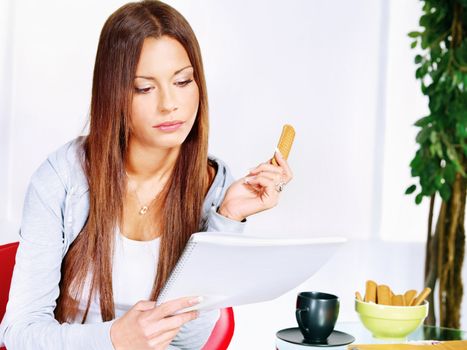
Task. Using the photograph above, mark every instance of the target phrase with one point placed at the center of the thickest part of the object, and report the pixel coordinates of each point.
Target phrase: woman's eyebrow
(152, 78)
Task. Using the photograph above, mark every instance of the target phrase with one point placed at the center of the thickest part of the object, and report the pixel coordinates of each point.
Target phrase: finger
(252, 188)
(159, 327)
(265, 176)
(284, 165)
(144, 305)
(266, 167)
(171, 307)
(174, 322)
(163, 339)
(274, 177)
(267, 193)
(256, 188)
(264, 181)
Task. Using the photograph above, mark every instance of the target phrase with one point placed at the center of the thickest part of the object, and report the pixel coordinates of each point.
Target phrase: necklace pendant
(143, 210)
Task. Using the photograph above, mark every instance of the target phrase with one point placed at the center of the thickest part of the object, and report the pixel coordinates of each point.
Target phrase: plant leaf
(450, 173)
(445, 192)
(410, 189)
(418, 198)
(424, 121)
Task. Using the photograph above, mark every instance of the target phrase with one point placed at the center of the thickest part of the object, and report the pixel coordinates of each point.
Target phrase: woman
(107, 215)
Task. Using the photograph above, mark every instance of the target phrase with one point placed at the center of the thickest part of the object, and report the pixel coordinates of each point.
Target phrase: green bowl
(391, 322)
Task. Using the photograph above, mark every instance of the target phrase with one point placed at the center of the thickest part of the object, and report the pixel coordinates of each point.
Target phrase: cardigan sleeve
(214, 220)
(29, 322)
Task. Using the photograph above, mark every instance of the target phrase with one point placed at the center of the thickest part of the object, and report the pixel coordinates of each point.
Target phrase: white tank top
(133, 274)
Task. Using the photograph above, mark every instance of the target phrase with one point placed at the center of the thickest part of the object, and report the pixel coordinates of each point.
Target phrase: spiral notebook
(231, 269)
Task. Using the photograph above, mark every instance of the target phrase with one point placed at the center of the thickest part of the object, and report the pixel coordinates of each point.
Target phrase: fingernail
(251, 171)
(196, 300)
(278, 152)
(246, 179)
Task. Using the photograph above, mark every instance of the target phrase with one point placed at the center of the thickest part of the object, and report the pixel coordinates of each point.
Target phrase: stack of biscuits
(383, 295)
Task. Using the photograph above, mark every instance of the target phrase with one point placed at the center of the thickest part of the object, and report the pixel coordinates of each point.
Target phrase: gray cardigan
(55, 210)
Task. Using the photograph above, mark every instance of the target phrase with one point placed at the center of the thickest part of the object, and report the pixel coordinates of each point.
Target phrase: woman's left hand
(258, 191)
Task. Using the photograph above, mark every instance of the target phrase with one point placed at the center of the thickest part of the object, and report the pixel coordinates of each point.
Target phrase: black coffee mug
(316, 315)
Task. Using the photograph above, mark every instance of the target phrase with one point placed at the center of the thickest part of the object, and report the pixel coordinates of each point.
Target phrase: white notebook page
(229, 269)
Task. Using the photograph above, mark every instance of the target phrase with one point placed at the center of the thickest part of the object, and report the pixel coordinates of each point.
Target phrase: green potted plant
(440, 161)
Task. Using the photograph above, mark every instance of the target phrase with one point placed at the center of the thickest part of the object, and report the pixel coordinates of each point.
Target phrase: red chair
(7, 262)
(223, 331)
(220, 337)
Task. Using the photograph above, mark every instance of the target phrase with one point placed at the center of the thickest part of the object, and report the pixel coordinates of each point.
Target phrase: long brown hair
(118, 52)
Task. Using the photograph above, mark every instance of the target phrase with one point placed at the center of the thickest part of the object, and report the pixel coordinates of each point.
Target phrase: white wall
(401, 218)
(264, 68)
(269, 64)
(340, 72)
(54, 45)
(6, 48)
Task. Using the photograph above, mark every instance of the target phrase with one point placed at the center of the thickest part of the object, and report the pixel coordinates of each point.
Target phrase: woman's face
(166, 96)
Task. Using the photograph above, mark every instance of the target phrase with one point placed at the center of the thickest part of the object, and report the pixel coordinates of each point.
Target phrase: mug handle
(298, 313)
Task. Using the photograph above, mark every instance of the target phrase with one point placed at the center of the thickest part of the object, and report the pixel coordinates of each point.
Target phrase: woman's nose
(167, 101)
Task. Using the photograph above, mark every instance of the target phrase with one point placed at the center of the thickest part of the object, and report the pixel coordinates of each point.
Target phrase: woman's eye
(146, 90)
(143, 90)
(184, 83)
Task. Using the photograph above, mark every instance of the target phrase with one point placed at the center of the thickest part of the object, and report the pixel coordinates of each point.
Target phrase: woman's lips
(169, 126)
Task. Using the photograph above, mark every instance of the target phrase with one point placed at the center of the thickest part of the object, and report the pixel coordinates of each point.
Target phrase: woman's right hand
(147, 327)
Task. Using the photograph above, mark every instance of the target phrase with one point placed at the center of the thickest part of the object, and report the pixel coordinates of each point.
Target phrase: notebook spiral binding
(177, 269)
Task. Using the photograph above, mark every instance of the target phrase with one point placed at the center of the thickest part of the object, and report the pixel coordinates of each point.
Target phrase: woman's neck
(145, 164)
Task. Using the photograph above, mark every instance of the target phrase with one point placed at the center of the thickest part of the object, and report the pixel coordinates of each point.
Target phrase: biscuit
(285, 142)
(419, 299)
(409, 296)
(383, 295)
(370, 291)
(398, 300)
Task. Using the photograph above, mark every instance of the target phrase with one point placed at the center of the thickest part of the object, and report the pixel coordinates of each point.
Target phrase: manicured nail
(247, 179)
(278, 152)
(196, 300)
(252, 172)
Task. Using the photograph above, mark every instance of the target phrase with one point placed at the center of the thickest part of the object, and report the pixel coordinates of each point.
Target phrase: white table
(363, 336)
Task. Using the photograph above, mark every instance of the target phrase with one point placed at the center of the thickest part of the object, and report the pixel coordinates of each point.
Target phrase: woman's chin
(167, 143)
(164, 141)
